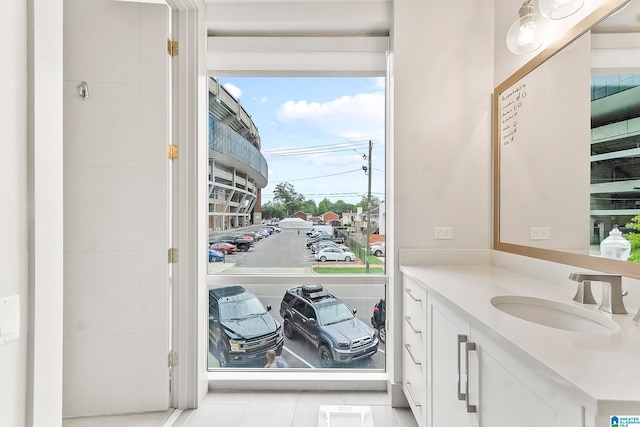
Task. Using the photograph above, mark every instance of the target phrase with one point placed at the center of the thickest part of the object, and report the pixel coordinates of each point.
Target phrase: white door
(116, 208)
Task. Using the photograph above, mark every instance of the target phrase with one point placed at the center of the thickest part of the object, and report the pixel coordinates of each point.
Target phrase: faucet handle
(583, 294)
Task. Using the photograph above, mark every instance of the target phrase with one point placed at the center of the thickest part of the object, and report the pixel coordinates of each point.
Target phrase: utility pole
(366, 257)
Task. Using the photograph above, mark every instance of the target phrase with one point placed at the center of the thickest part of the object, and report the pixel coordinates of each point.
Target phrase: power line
(316, 177)
(317, 149)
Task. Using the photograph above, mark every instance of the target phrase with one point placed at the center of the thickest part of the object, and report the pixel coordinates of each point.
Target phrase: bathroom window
(296, 222)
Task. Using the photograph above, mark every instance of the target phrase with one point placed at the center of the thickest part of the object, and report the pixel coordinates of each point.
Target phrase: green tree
(325, 206)
(309, 206)
(286, 195)
(634, 238)
(363, 203)
(272, 210)
(341, 207)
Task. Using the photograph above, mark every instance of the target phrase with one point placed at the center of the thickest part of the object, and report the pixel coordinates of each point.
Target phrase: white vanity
(465, 362)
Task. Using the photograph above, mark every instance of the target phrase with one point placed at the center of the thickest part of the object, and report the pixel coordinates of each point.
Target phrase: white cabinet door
(447, 369)
(475, 381)
(512, 393)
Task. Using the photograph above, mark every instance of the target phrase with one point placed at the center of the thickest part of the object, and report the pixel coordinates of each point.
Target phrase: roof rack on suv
(314, 292)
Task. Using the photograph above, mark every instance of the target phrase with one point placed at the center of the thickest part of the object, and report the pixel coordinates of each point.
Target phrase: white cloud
(234, 90)
(351, 118)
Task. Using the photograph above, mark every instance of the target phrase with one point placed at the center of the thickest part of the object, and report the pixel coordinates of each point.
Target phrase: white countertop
(605, 367)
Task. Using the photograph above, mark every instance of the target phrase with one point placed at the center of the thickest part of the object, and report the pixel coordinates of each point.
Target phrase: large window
(297, 194)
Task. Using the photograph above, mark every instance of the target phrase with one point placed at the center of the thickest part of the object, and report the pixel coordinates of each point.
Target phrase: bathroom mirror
(546, 201)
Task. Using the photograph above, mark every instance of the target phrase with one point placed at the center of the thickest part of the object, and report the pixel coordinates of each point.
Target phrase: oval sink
(554, 314)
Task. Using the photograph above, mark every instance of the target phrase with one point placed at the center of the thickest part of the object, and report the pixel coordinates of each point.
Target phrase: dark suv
(327, 323)
(240, 329)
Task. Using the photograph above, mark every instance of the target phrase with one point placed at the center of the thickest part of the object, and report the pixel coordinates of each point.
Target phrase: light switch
(9, 319)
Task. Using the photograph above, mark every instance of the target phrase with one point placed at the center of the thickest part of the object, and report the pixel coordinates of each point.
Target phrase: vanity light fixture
(528, 33)
(558, 9)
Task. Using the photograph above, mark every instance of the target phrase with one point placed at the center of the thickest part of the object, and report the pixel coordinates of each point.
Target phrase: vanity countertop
(605, 367)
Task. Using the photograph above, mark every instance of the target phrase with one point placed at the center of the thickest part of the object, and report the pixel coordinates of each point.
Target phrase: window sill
(319, 380)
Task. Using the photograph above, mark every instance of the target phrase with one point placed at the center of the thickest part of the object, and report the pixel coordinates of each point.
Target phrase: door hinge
(173, 152)
(172, 47)
(172, 255)
(172, 359)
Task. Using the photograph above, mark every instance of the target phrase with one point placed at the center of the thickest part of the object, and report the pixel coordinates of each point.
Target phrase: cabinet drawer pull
(416, 299)
(408, 347)
(461, 339)
(408, 320)
(470, 346)
(413, 399)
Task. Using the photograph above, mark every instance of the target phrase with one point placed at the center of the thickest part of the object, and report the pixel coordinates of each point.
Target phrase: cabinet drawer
(414, 301)
(415, 334)
(414, 384)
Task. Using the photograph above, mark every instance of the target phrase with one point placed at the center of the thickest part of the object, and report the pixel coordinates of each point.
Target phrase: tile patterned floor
(258, 409)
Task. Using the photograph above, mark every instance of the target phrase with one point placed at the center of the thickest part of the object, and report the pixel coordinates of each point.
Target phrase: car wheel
(223, 356)
(323, 258)
(325, 356)
(347, 259)
(378, 253)
(289, 332)
(382, 334)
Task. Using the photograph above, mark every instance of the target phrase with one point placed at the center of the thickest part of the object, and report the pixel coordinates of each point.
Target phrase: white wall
(116, 290)
(13, 208)
(442, 119)
(441, 154)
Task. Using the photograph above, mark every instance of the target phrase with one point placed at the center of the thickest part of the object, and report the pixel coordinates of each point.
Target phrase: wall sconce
(558, 9)
(527, 33)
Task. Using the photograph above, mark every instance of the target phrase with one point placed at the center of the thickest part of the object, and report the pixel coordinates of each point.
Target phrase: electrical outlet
(443, 233)
(539, 233)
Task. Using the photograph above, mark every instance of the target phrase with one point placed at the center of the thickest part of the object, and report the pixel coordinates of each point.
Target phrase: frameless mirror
(567, 144)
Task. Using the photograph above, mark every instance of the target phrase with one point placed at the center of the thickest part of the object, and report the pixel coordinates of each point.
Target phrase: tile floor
(258, 409)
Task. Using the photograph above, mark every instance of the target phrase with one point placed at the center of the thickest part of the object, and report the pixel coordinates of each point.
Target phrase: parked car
(224, 247)
(241, 330)
(312, 240)
(327, 323)
(378, 320)
(242, 242)
(327, 244)
(316, 228)
(377, 249)
(334, 254)
(215, 256)
(274, 228)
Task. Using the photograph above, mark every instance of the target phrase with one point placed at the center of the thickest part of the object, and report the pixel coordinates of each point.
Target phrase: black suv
(326, 322)
(240, 329)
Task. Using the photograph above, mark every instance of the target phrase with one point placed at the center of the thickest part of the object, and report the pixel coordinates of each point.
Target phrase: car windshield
(234, 310)
(336, 312)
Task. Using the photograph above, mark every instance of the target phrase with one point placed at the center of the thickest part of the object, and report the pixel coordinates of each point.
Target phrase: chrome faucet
(611, 291)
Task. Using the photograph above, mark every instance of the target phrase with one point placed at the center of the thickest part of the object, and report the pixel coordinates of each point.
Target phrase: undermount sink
(555, 314)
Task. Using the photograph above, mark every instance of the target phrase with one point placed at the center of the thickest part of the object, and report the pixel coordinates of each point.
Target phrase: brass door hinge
(172, 255)
(172, 47)
(172, 152)
(172, 359)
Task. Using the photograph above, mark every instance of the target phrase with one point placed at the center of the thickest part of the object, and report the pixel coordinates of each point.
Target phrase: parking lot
(286, 252)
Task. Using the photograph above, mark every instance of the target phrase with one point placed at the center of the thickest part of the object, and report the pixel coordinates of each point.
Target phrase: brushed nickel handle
(415, 361)
(469, 347)
(408, 320)
(415, 402)
(408, 291)
(461, 339)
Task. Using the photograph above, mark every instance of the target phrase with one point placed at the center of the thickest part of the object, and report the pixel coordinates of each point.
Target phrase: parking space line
(299, 358)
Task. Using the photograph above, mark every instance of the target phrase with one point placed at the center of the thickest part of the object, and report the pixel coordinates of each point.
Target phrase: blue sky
(331, 117)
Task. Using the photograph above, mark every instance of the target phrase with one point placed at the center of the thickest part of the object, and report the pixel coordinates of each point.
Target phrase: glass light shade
(527, 34)
(615, 246)
(558, 9)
